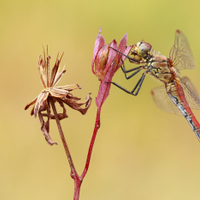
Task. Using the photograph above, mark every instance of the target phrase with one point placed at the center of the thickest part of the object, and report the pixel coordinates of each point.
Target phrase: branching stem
(74, 174)
(77, 180)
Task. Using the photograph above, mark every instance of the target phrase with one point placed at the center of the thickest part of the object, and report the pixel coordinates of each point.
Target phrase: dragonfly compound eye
(143, 49)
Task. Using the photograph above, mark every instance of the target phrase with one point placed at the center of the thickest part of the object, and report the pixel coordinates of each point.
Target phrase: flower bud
(100, 62)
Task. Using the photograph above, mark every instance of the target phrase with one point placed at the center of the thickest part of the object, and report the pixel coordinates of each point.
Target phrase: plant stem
(74, 174)
(77, 180)
(97, 126)
(62, 135)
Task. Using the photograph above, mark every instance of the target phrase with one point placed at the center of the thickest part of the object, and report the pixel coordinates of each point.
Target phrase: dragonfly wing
(190, 93)
(180, 53)
(163, 101)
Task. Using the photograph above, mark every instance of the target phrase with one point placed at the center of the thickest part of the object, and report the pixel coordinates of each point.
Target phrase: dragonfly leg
(130, 70)
(136, 88)
(130, 59)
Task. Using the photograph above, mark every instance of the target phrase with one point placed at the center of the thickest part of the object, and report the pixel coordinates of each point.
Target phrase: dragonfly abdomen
(187, 114)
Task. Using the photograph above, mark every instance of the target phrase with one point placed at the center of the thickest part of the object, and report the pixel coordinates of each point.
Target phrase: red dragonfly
(178, 95)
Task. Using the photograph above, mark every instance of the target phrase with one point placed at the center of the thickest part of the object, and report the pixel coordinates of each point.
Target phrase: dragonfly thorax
(158, 66)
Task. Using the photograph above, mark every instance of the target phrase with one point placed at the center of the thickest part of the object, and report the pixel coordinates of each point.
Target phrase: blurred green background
(141, 152)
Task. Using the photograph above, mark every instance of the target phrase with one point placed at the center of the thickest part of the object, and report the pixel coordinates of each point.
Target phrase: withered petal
(62, 115)
(45, 129)
(69, 87)
(62, 91)
(74, 103)
(59, 93)
(55, 69)
(41, 67)
(48, 69)
(42, 97)
(58, 76)
(32, 102)
(71, 97)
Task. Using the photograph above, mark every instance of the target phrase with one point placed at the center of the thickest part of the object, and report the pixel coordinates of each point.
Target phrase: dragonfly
(178, 95)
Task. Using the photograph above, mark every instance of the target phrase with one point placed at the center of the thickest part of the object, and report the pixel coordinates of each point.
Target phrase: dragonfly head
(141, 50)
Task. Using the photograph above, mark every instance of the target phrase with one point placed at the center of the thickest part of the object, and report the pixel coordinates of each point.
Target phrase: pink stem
(97, 125)
(77, 187)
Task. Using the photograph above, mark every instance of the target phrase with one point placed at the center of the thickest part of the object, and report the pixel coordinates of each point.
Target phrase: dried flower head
(60, 94)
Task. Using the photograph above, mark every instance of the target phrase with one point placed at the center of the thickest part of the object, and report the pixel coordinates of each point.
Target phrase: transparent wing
(190, 93)
(163, 101)
(180, 53)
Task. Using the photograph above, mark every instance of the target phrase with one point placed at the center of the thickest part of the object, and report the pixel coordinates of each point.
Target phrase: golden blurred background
(140, 152)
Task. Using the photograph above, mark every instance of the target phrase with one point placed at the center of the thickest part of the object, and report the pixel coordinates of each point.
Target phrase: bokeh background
(141, 152)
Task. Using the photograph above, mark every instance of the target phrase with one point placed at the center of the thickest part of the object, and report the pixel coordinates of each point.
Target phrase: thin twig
(74, 174)
(63, 137)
